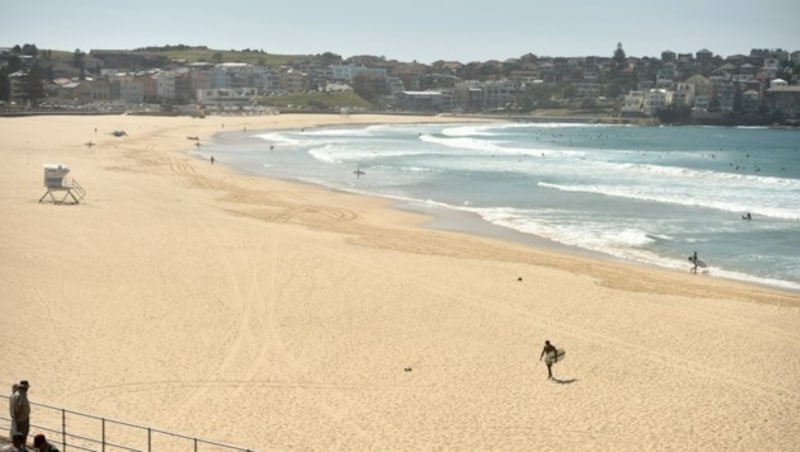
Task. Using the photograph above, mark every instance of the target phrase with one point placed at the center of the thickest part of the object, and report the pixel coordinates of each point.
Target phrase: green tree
(78, 59)
(14, 63)
(363, 86)
(788, 71)
(508, 67)
(613, 90)
(487, 72)
(619, 62)
(216, 57)
(329, 59)
(675, 114)
(34, 84)
(5, 86)
(30, 49)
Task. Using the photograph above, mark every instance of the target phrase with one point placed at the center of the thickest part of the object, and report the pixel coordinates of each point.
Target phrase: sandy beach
(281, 316)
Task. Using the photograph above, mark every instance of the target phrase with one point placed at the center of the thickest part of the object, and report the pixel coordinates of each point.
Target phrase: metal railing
(74, 430)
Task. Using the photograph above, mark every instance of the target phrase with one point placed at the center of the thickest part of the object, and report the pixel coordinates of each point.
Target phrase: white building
(131, 89)
(634, 103)
(165, 84)
(655, 100)
(682, 95)
(227, 97)
(346, 72)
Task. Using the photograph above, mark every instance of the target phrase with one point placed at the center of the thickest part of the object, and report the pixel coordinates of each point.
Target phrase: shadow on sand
(564, 382)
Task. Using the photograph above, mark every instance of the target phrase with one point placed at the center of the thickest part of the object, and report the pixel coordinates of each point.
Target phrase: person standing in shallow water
(548, 348)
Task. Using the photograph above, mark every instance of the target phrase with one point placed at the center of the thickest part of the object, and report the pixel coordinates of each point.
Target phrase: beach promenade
(283, 316)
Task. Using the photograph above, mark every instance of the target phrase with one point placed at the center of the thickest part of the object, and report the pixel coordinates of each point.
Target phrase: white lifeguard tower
(56, 181)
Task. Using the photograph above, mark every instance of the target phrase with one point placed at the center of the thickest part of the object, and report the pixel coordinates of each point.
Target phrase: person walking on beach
(21, 410)
(546, 352)
(694, 261)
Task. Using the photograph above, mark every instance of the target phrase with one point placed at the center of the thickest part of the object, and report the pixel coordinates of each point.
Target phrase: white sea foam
(638, 193)
(464, 143)
(481, 130)
(334, 153)
(734, 202)
(339, 132)
(282, 138)
(497, 147)
(415, 169)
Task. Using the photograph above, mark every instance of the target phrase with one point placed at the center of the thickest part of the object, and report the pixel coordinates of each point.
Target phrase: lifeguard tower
(57, 183)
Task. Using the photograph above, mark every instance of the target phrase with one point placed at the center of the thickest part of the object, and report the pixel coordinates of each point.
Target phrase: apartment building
(293, 81)
(655, 100)
(227, 98)
(633, 104)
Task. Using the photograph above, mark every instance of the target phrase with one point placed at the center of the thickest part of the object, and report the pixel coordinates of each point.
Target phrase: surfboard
(699, 262)
(558, 356)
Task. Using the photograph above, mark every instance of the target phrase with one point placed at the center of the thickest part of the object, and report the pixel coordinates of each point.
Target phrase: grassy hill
(61, 61)
(196, 54)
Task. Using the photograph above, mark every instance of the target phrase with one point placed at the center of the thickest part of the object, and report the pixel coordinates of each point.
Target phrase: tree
(364, 86)
(329, 59)
(510, 66)
(674, 114)
(14, 63)
(619, 62)
(78, 58)
(34, 84)
(5, 86)
(787, 71)
(30, 49)
(613, 90)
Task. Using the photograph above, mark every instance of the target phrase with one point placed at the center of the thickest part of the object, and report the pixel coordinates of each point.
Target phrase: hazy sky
(406, 30)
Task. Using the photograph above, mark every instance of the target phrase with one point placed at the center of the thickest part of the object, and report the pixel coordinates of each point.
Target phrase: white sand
(281, 316)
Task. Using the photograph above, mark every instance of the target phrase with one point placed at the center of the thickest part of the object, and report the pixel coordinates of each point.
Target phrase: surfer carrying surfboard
(697, 262)
(550, 351)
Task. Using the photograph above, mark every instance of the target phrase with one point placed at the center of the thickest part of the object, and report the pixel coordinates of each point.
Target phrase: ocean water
(652, 195)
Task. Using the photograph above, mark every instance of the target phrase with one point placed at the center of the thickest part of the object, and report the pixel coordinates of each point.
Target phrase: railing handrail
(103, 442)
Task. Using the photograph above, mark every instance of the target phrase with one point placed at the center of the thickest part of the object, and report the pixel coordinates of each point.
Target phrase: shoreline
(329, 320)
(447, 219)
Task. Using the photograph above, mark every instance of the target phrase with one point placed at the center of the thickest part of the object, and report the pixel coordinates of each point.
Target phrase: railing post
(64, 428)
(81, 441)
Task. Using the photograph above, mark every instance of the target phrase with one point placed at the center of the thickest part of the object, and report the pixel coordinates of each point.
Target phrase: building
(654, 101)
(420, 100)
(227, 98)
(347, 72)
(131, 89)
(682, 95)
(784, 98)
(633, 104)
(293, 81)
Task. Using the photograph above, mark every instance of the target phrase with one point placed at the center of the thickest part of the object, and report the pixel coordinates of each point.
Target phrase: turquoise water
(651, 195)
